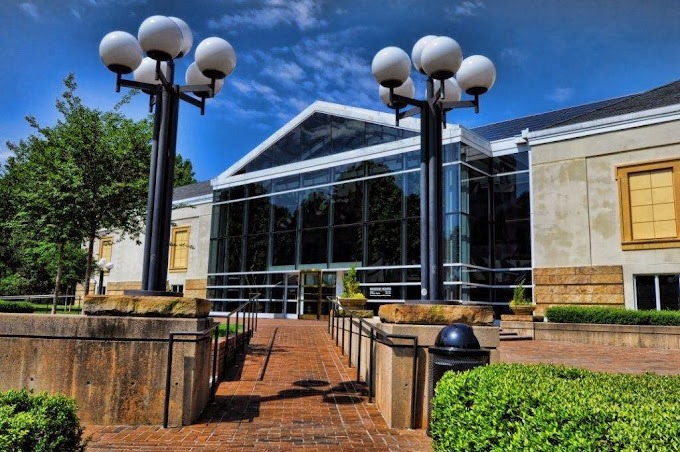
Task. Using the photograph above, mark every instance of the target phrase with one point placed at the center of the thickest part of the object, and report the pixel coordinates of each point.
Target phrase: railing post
(337, 328)
(214, 366)
(351, 322)
(370, 371)
(166, 400)
(343, 331)
(359, 352)
(413, 383)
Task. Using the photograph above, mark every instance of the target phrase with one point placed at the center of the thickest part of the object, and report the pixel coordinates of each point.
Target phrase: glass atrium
(310, 200)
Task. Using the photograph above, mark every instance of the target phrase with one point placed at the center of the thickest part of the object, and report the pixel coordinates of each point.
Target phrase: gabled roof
(192, 191)
(336, 110)
(514, 127)
(662, 96)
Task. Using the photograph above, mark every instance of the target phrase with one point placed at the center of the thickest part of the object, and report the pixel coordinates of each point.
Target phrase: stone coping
(606, 327)
(488, 336)
(99, 327)
(146, 306)
(435, 314)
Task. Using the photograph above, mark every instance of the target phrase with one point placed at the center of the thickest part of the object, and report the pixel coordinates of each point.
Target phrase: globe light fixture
(440, 59)
(164, 39)
(104, 266)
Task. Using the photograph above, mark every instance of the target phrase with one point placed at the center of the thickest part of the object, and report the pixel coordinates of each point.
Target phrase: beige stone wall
(117, 288)
(196, 288)
(576, 214)
(580, 286)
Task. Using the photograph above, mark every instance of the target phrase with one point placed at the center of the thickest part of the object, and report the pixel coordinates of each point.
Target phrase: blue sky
(548, 55)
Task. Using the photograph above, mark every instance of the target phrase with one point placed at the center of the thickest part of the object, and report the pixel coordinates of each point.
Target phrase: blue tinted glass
(350, 171)
(451, 152)
(475, 157)
(285, 183)
(451, 188)
(315, 206)
(285, 210)
(412, 159)
(347, 134)
(320, 177)
(316, 136)
(288, 149)
(511, 163)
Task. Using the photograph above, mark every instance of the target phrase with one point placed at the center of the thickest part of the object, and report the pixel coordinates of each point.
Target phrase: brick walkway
(307, 400)
(601, 358)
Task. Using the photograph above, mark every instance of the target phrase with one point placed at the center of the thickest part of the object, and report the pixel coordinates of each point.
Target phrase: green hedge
(569, 314)
(40, 423)
(15, 306)
(508, 407)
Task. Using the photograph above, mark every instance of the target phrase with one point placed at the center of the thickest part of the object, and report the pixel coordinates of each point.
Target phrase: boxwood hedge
(550, 408)
(575, 314)
(15, 307)
(39, 422)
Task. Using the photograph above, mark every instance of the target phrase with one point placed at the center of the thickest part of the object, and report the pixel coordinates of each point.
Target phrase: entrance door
(290, 294)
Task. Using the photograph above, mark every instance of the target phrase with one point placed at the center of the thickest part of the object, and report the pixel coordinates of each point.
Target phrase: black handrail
(249, 309)
(376, 335)
(199, 336)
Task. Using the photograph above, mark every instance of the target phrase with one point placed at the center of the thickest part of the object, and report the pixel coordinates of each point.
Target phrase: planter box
(665, 337)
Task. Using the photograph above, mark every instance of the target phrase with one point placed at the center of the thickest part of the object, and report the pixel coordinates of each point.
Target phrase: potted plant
(520, 304)
(351, 297)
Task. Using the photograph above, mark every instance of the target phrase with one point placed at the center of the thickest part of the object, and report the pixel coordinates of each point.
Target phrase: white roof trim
(356, 155)
(361, 114)
(605, 125)
(196, 200)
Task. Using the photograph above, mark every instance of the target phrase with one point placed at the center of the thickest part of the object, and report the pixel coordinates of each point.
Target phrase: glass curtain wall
(487, 235)
(365, 213)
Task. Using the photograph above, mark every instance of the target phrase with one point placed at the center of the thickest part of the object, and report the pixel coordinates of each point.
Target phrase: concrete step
(512, 336)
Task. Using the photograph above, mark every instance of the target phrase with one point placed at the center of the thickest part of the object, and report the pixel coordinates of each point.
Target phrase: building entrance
(316, 287)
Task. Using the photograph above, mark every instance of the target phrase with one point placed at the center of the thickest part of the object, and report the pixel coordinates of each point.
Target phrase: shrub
(15, 307)
(518, 296)
(574, 314)
(350, 284)
(40, 422)
(548, 408)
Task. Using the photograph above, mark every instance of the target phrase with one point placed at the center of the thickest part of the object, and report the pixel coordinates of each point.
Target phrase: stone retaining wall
(578, 286)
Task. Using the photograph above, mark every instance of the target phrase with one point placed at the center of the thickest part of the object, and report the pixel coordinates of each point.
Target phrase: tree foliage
(184, 172)
(65, 183)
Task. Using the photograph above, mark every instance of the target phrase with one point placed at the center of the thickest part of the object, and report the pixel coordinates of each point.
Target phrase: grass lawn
(46, 308)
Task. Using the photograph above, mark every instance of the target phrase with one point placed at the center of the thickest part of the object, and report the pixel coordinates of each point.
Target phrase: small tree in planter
(520, 304)
(351, 297)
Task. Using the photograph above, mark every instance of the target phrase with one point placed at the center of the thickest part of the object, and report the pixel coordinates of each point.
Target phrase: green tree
(85, 175)
(184, 172)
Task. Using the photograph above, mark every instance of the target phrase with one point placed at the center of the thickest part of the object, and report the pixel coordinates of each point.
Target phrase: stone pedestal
(435, 314)
(114, 366)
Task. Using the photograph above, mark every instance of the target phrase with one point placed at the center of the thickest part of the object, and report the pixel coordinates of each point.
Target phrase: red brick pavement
(601, 358)
(307, 400)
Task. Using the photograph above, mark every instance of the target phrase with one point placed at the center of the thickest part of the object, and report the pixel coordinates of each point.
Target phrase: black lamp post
(103, 267)
(440, 58)
(164, 39)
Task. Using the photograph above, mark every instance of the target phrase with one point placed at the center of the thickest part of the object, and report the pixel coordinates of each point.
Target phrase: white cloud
(75, 13)
(560, 95)
(514, 55)
(466, 8)
(301, 13)
(30, 9)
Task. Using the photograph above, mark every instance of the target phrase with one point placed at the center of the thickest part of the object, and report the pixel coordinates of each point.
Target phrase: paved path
(307, 400)
(601, 358)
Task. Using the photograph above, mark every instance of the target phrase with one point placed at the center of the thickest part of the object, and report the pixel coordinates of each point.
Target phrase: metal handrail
(376, 335)
(199, 336)
(249, 309)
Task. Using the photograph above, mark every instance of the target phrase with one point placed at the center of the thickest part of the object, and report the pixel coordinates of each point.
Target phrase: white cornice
(605, 125)
(196, 200)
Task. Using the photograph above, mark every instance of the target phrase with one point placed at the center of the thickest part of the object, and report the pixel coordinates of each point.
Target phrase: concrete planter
(352, 303)
(522, 309)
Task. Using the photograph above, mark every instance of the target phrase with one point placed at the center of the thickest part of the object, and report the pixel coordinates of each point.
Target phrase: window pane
(316, 136)
(668, 291)
(413, 241)
(511, 197)
(285, 183)
(315, 207)
(451, 152)
(320, 177)
(451, 238)
(384, 198)
(645, 293)
(234, 254)
(287, 149)
(451, 187)
(235, 226)
(283, 248)
(511, 163)
(512, 246)
(384, 243)
(313, 246)
(256, 252)
(348, 172)
(347, 134)
(285, 211)
(258, 216)
(412, 194)
(348, 203)
(347, 244)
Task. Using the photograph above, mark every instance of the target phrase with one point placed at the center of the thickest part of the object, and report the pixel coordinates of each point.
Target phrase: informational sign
(380, 292)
